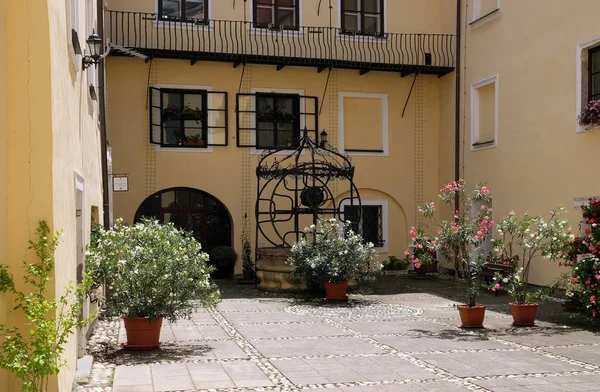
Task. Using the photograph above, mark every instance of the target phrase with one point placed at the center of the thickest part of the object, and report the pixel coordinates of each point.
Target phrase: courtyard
(396, 334)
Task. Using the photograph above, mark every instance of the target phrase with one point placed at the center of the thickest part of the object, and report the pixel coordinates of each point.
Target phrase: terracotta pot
(248, 274)
(523, 314)
(142, 334)
(472, 316)
(336, 291)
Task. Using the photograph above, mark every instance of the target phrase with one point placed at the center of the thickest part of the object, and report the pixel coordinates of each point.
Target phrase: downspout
(457, 104)
(102, 114)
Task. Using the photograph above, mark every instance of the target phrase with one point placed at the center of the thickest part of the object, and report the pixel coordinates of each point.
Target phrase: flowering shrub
(459, 239)
(585, 279)
(328, 253)
(523, 239)
(151, 270)
(175, 112)
(590, 115)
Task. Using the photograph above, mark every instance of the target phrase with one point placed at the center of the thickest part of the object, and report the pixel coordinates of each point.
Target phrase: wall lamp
(323, 138)
(94, 43)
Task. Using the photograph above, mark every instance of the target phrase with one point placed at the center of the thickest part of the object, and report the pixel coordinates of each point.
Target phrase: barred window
(367, 220)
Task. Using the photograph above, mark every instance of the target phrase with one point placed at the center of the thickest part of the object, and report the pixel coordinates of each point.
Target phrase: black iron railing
(240, 42)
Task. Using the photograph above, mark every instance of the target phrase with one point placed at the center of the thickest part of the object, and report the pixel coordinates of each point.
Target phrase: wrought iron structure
(296, 190)
(239, 42)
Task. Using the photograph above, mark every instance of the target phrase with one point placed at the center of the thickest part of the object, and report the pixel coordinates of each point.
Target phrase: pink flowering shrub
(459, 239)
(590, 115)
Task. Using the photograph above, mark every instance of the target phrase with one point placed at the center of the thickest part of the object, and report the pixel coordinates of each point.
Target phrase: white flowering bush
(520, 240)
(151, 270)
(333, 254)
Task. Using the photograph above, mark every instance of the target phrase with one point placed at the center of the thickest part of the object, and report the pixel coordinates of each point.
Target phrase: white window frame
(475, 111)
(74, 24)
(162, 24)
(284, 33)
(301, 93)
(209, 148)
(581, 72)
(384, 123)
(477, 19)
(384, 219)
(366, 38)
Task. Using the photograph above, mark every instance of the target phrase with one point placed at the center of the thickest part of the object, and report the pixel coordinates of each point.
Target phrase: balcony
(238, 42)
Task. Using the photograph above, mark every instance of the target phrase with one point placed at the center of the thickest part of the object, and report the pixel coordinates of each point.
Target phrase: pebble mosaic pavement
(394, 337)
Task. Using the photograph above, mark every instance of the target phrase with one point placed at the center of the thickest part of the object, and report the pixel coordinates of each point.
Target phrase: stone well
(273, 273)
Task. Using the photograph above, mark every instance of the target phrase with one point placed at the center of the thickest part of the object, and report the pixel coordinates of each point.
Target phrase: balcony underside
(319, 64)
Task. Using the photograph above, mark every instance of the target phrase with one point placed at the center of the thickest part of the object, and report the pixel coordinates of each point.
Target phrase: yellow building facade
(370, 74)
(526, 77)
(50, 146)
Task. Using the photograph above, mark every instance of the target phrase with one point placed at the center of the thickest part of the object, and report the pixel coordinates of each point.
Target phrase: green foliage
(520, 240)
(247, 262)
(223, 256)
(33, 353)
(151, 270)
(395, 264)
(328, 254)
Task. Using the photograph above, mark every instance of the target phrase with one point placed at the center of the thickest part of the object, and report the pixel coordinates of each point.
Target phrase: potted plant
(268, 114)
(193, 140)
(395, 266)
(186, 113)
(333, 255)
(590, 115)
(151, 271)
(520, 240)
(460, 240)
(247, 263)
(223, 258)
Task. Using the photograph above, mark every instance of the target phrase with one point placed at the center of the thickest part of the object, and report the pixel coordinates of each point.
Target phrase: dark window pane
(351, 5)
(371, 24)
(351, 22)
(352, 215)
(194, 9)
(264, 15)
(372, 6)
(174, 218)
(171, 8)
(286, 17)
(197, 199)
(596, 61)
(183, 198)
(370, 224)
(264, 104)
(172, 135)
(286, 3)
(150, 208)
(168, 199)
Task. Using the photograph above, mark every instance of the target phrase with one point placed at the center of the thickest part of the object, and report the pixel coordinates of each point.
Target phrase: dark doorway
(192, 210)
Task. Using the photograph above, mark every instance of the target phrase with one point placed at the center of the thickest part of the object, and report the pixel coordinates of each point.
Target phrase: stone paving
(398, 335)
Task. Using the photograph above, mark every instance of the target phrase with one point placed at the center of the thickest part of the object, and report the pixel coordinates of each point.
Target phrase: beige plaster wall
(219, 172)
(541, 162)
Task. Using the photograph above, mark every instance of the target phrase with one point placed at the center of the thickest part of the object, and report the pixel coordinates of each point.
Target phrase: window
(74, 14)
(485, 11)
(284, 14)
(484, 113)
(594, 74)
(367, 220)
(277, 120)
(183, 9)
(363, 17)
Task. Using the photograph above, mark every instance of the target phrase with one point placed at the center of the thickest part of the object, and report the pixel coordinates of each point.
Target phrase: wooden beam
(404, 74)
(280, 67)
(236, 64)
(321, 69)
(364, 71)
(193, 61)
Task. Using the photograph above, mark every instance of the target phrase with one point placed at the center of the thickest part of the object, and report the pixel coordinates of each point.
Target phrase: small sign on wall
(120, 183)
(583, 200)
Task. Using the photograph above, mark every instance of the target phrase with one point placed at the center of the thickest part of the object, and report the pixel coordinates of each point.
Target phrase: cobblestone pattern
(361, 309)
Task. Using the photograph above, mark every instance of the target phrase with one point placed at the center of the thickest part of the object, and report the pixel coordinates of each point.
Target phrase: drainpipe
(102, 115)
(457, 104)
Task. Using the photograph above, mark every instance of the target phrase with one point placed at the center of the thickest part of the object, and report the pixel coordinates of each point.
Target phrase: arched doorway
(192, 210)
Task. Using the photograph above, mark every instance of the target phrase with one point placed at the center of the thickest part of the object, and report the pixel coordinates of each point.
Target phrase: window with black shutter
(284, 14)
(366, 220)
(186, 117)
(196, 10)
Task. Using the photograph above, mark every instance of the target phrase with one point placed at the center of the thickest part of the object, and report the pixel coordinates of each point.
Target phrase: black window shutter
(155, 113)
